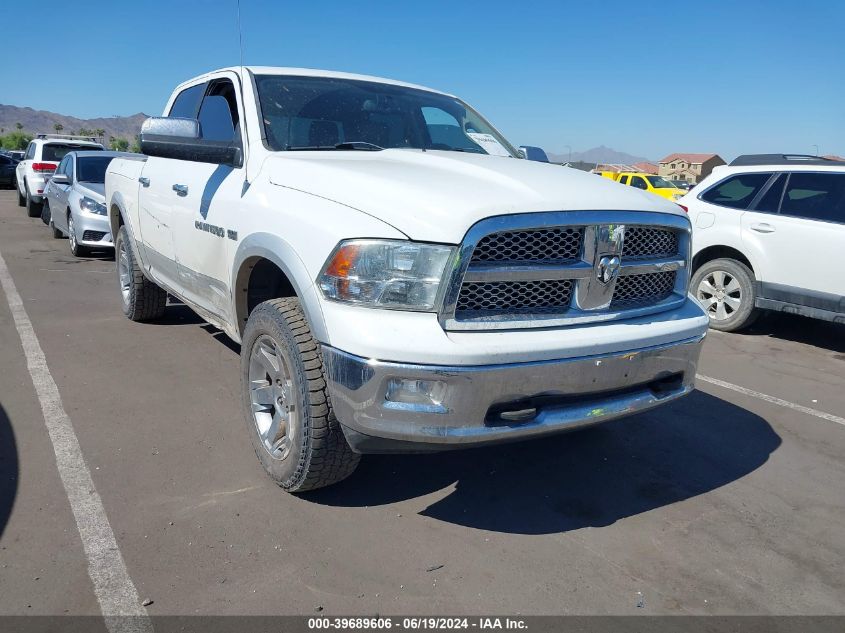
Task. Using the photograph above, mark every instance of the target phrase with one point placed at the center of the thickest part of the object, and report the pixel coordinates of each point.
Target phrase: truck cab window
(186, 103)
(638, 182)
(218, 114)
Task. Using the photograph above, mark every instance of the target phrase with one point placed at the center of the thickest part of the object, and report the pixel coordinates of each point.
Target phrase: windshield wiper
(349, 145)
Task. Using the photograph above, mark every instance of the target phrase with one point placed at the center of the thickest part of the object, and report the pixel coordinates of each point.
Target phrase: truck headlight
(92, 206)
(385, 274)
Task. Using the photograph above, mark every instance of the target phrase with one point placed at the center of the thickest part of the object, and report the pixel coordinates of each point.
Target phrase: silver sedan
(74, 201)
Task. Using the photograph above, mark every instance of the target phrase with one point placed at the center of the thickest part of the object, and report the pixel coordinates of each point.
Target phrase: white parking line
(112, 585)
(772, 399)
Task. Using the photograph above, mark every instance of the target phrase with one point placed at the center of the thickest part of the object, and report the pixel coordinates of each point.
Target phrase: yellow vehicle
(647, 182)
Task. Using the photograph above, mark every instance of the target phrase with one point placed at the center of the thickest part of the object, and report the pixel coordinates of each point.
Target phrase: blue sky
(648, 78)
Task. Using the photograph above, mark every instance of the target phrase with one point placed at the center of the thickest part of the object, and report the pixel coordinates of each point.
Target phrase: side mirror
(172, 137)
(60, 179)
(534, 153)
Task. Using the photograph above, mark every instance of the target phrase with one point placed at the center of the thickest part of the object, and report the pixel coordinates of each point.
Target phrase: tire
(75, 248)
(57, 234)
(142, 299)
(312, 452)
(21, 198)
(726, 289)
(46, 214)
(33, 209)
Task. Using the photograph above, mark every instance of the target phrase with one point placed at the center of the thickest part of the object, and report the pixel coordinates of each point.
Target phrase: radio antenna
(241, 86)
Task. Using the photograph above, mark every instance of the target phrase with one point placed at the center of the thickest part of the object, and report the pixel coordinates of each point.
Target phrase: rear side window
(56, 151)
(187, 102)
(770, 202)
(623, 180)
(30, 152)
(815, 196)
(736, 192)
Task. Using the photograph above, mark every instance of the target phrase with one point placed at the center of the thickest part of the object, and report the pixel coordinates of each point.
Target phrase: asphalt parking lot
(723, 503)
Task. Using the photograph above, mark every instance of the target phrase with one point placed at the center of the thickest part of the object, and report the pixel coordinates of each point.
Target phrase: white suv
(768, 232)
(40, 161)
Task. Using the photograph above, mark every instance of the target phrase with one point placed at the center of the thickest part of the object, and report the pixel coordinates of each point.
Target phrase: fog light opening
(415, 395)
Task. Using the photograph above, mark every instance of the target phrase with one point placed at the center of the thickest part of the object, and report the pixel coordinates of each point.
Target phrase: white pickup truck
(399, 277)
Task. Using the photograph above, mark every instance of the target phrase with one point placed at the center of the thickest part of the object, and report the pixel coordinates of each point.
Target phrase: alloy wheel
(721, 295)
(123, 270)
(271, 397)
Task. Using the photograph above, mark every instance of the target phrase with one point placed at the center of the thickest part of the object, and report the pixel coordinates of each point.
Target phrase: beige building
(690, 167)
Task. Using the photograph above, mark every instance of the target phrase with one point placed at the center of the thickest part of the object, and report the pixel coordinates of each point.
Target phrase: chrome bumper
(498, 403)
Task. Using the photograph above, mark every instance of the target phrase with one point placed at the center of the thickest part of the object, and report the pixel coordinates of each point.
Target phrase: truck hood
(436, 196)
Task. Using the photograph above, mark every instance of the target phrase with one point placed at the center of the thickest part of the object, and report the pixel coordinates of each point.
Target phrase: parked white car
(74, 201)
(398, 278)
(768, 234)
(39, 162)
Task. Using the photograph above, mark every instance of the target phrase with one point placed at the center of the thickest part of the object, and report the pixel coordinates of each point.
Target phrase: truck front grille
(536, 277)
(646, 241)
(638, 290)
(515, 297)
(560, 244)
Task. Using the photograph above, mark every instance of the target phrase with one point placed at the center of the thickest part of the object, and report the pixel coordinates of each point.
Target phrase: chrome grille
(637, 290)
(549, 269)
(646, 241)
(516, 296)
(557, 244)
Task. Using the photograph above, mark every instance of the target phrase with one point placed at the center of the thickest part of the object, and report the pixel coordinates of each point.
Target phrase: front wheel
(75, 248)
(142, 300)
(46, 214)
(725, 287)
(291, 423)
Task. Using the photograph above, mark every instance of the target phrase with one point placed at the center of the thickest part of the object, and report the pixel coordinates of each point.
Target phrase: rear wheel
(291, 423)
(33, 208)
(725, 287)
(142, 300)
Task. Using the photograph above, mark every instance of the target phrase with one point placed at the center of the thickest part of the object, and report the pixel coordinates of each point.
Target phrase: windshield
(56, 151)
(324, 112)
(660, 183)
(92, 168)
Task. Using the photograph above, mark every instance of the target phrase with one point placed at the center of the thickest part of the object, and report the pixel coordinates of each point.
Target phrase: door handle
(144, 181)
(762, 227)
(181, 190)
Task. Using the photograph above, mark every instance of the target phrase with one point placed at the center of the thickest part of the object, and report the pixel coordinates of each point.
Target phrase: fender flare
(281, 253)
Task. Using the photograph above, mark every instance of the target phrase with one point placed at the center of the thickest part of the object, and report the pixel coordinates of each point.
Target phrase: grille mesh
(93, 236)
(516, 296)
(554, 244)
(644, 241)
(636, 290)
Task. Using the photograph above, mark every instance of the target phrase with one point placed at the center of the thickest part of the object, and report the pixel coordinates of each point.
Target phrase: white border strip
(112, 585)
(781, 403)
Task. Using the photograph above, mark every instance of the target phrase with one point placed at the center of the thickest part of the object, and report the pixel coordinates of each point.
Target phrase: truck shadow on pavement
(799, 329)
(589, 478)
(9, 469)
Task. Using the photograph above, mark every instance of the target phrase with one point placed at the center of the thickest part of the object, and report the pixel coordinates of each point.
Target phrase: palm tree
(101, 133)
(19, 126)
(58, 127)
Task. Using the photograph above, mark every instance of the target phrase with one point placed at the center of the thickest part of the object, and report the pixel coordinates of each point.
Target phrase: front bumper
(89, 226)
(498, 403)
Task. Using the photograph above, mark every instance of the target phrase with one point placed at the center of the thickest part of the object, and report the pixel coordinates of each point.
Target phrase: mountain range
(43, 122)
(600, 154)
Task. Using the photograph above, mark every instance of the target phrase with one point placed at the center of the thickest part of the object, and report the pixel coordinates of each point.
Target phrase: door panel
(798, 250)
(155, 212)
(201, 224)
